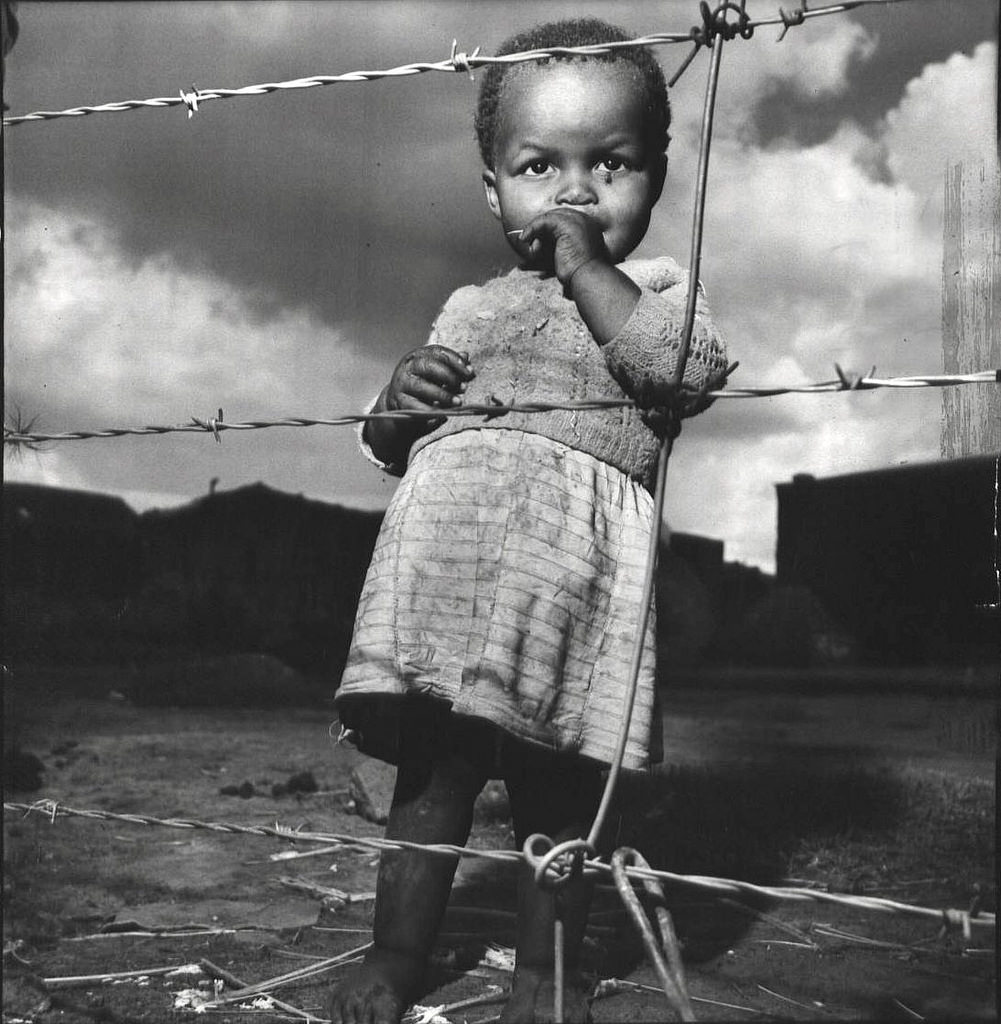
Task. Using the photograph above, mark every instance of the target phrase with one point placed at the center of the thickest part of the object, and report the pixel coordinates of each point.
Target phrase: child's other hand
(563, 240)
(662, 406)
(428, 378)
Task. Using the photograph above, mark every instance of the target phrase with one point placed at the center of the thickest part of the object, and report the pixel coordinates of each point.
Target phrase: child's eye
(611, 164)
(537, 167)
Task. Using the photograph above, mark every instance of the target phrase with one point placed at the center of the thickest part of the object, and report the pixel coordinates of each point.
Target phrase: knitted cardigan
(527, 343)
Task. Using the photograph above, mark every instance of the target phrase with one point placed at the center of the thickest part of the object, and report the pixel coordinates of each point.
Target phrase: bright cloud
(947, 116)
(136, 341)
(93, 341)
(46, 465)
(811, 260)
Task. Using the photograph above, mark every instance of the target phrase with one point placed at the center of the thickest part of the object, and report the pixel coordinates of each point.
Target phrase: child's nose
(576, 188)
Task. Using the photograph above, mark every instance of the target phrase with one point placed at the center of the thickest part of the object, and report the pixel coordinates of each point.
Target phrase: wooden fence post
(971, 308)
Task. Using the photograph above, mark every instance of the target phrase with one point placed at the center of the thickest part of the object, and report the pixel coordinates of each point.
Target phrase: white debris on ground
(260, 1003)
(185, 969)
(501, 958)
(192, 999)
(429, 1014)
(196, 1000)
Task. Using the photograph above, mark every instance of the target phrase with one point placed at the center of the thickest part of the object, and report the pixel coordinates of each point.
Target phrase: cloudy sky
(275, 255)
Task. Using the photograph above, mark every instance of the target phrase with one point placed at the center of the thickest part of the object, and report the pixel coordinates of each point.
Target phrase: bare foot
(379, 991)
(532, 1001)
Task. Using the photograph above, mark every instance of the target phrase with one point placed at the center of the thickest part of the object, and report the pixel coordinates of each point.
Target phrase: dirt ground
(860, 791)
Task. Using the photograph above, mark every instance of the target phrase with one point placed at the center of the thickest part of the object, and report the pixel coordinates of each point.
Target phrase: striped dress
(507, 579)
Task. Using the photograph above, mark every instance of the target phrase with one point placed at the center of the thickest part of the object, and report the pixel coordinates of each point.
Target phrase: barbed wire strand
(457, 62)
(216, 425)
(951, 919)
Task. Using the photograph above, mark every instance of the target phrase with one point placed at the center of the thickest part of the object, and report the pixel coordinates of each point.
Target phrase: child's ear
(490, 191)
(659, 173)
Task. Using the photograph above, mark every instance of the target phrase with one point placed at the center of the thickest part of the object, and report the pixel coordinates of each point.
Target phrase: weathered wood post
(971, 308)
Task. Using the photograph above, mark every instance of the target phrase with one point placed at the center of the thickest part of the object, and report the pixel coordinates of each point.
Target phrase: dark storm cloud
(319, 198)
(361, 201)
(909, 36)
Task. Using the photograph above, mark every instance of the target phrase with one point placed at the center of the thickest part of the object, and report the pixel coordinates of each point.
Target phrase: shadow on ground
(742, 821)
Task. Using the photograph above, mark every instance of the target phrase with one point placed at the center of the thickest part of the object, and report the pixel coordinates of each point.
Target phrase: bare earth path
(862, 790)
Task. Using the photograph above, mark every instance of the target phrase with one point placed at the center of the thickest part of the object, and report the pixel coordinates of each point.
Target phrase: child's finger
(543, 234)
(537, 238)
(533, 232)
(550, 224)
(406, 402)
(447, 372)
(456, 361)
(430, 393)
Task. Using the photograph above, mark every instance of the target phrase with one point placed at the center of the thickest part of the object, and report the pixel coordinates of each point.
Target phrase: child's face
(574, 135)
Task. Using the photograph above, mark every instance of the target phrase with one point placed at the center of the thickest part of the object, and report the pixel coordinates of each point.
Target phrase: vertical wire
(559, 951)
(695, 260)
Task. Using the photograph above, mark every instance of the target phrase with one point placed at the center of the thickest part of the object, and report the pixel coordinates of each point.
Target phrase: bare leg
(432, 803)
(557, 797)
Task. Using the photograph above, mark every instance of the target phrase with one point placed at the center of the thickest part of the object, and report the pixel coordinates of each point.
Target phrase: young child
(496, 626)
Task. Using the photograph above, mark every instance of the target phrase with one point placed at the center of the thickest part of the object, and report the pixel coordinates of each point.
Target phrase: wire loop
(715, 23)
(665, 956)
(560, 864)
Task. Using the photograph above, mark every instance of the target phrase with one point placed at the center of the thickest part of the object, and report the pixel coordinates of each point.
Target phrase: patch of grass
(851, 829)
(944, 831)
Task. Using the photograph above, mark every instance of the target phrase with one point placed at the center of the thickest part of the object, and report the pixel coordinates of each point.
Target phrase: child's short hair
(572, 32)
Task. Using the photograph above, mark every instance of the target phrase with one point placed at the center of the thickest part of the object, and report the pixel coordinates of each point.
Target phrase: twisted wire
(457, 62)
(217, 425)
(52, 809)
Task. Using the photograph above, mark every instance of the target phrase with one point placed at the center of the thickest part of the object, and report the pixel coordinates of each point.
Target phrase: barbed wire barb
(793, 18)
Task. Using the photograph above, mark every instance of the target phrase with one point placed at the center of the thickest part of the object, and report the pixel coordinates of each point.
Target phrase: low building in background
(896, 566)
(904, 559)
